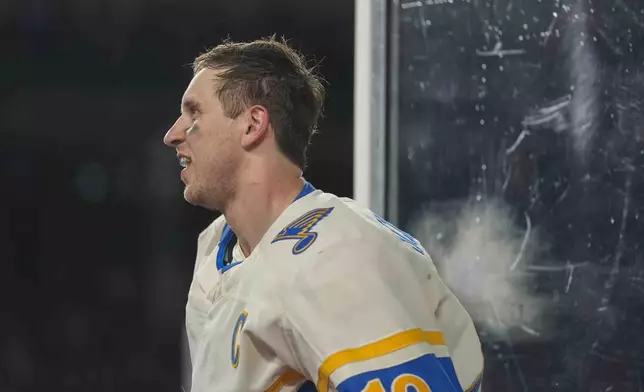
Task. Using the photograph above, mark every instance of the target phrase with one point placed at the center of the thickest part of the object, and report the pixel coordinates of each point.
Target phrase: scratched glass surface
(521, 169)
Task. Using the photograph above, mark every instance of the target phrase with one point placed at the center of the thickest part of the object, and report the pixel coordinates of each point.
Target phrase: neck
(258, 203)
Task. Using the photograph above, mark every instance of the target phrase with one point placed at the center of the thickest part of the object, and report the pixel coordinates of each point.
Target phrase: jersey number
(401, 383)
(404, 237)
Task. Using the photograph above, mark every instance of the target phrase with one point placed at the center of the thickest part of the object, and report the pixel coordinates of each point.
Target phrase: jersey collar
(229, 238)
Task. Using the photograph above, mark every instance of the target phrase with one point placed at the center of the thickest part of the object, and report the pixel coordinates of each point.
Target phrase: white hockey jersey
(333, 298)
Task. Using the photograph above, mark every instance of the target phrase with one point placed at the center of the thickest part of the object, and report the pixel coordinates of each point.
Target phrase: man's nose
(175, 135)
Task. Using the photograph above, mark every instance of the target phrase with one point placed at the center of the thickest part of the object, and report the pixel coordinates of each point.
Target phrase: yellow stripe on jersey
(284, 379)
(373, 350)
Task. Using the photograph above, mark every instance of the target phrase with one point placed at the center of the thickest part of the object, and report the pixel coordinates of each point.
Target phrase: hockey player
(295, 289)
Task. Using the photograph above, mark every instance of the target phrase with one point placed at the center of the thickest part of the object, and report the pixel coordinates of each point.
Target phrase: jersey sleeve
(361, 319)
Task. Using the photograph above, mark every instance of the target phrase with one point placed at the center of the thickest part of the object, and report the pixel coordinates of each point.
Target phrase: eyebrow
(189, 105)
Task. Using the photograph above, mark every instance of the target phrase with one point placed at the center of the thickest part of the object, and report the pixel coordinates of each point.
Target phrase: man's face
(207, 143)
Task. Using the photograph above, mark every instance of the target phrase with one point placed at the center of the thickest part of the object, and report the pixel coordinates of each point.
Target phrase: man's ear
(257, 127)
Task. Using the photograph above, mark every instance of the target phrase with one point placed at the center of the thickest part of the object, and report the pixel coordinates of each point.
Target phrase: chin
(191, 196)
(196, 198)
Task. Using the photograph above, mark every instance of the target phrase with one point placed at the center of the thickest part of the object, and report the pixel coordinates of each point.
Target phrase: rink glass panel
(516, 157)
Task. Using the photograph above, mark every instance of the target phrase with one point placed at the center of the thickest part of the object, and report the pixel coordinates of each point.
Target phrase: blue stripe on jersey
(416, 375)
(227, 236)
(308, 188)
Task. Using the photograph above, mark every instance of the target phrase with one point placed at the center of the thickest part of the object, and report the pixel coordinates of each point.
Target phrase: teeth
(184, 161)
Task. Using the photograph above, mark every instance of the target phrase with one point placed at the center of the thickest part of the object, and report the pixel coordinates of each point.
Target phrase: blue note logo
(300, 229)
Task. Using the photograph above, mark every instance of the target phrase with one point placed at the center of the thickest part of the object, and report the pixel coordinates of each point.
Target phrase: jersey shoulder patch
(301, 229)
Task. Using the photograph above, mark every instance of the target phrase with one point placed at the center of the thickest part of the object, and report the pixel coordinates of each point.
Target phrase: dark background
(96, 243)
